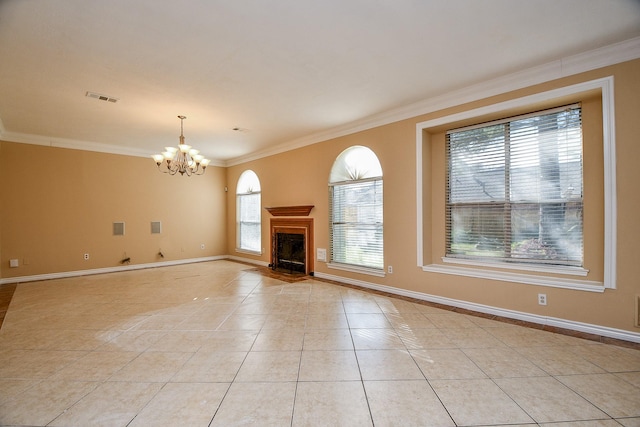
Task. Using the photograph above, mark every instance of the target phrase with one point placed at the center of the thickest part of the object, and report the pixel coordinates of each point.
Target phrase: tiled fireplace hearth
(291, 240)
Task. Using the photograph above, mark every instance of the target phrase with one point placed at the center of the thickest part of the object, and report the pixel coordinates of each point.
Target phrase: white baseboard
(247, 260)
(511, 314)
(76, 273)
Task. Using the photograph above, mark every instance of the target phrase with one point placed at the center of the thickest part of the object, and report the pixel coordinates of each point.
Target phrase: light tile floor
(220, 344)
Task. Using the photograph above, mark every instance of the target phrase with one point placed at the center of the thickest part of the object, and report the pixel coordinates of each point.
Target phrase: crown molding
(598, 58)
(75, 144)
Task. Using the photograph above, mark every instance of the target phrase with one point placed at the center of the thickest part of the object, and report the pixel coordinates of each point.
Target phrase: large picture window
(248, 214)
(355, 198)
(515, 189)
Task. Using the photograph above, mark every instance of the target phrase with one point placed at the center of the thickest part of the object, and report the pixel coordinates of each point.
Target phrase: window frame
(507, 152)
(240, 195)
(533, 275)
(332, 263)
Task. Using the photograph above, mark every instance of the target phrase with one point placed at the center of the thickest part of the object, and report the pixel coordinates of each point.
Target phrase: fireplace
(290, 253)
(292, 245)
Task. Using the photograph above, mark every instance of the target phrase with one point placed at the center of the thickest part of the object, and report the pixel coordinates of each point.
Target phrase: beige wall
(58, 204)
(300, 177)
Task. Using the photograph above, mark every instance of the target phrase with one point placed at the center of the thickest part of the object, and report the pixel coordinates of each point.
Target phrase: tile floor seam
(546, 352)
(97, 384)
(595, 404)
(147, 404)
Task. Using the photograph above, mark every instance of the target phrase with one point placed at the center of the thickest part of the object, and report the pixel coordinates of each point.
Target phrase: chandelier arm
(164, 167)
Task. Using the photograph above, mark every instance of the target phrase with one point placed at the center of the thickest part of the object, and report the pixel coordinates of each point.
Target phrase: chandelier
(183, 159)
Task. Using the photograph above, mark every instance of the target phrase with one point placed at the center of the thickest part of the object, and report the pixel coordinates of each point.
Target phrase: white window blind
(514, 189)
(356, 225)
(356, 205)
(248, 212)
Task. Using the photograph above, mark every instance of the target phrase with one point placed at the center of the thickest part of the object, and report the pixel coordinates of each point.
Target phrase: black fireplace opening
(290, 253)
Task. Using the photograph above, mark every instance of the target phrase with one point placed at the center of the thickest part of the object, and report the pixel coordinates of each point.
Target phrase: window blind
(356, 223)
(248, 206)
(515, 189)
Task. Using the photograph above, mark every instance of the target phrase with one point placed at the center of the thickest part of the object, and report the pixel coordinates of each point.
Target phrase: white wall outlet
(390, 269)
(202, 246)
(542, 299)
(86, 257)
(321, 254)
(13, 263)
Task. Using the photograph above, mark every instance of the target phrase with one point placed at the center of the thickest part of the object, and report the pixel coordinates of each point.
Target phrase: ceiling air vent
(101, 97)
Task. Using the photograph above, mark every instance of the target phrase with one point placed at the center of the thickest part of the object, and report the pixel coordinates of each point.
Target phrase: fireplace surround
(291, 242)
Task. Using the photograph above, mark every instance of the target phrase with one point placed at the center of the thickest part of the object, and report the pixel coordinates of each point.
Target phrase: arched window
(355, 203)
(248, 214)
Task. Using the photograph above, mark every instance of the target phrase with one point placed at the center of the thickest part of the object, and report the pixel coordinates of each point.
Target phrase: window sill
(528, 279)
(537, 268)
(357, 269)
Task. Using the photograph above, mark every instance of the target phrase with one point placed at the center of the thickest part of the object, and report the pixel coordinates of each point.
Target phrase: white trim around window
(605, 86)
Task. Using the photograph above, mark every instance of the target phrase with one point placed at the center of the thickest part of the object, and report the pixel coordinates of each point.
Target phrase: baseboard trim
(247, 260)
(77, 273)
(547, 321)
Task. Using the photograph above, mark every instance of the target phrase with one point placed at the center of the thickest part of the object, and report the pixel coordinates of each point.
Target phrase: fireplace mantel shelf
(302, 210)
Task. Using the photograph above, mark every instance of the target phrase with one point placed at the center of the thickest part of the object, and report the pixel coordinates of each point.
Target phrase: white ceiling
(282, 71)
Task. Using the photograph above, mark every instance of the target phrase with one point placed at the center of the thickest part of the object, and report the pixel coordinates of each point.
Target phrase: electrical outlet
(390, 269)
(202, 246)
(86, 257)
(321, 254)
(542, 299)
